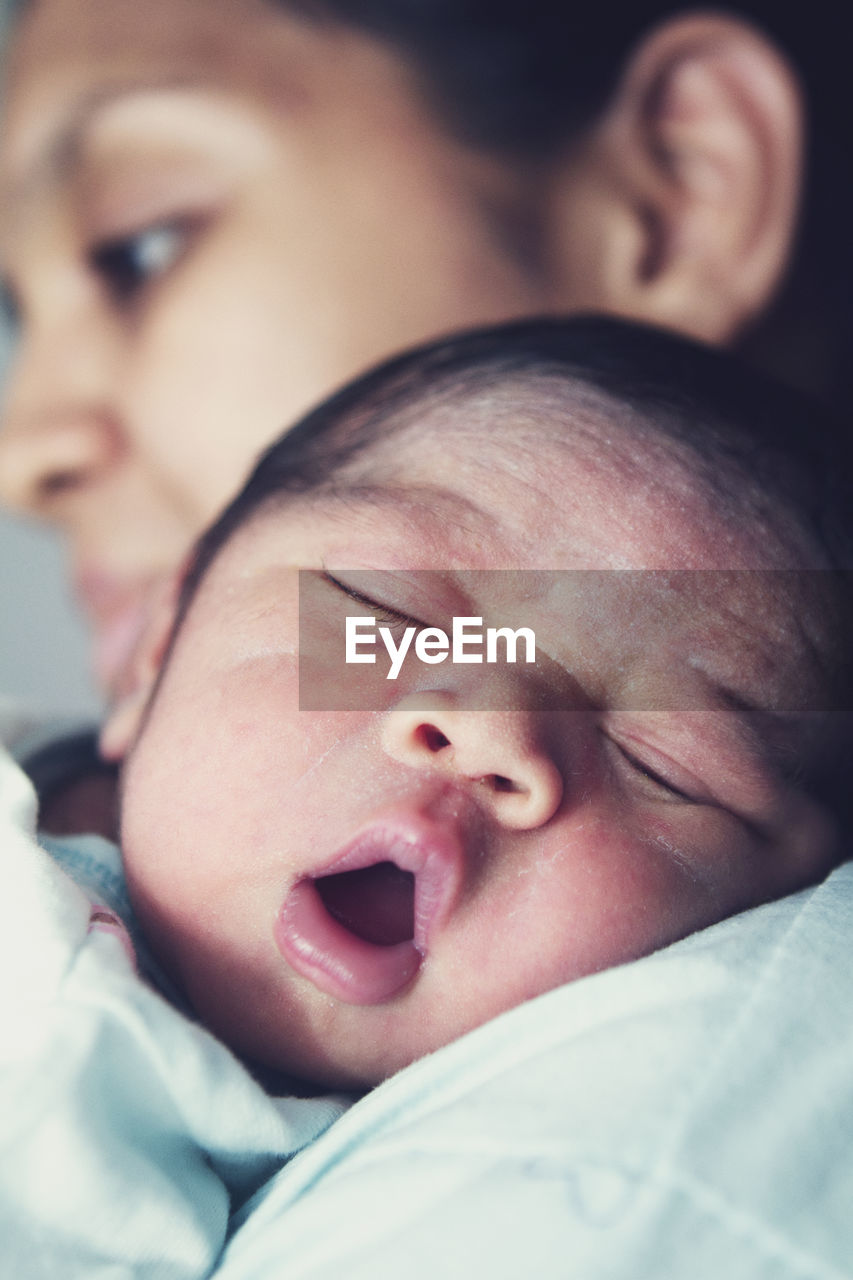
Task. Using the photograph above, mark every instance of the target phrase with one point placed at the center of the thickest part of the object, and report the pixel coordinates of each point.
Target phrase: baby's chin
(321, 1043)
(313, 1044)
(313, 1069)
(306, 1075)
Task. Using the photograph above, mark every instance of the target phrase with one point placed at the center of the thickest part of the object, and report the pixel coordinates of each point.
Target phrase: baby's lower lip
(333, 957)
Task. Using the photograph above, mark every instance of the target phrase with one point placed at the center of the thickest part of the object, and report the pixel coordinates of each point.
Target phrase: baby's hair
(737, 426)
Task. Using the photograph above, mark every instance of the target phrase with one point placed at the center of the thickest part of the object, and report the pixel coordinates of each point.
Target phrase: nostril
(499, 783)
(57, 483)
(432, 738)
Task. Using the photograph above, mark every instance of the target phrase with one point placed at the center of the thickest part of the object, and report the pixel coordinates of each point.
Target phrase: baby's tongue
(376, 903)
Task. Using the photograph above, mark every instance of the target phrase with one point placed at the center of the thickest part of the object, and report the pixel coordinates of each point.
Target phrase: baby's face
(342, 891)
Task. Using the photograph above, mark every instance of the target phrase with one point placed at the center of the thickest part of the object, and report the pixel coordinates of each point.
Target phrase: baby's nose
(499, 752)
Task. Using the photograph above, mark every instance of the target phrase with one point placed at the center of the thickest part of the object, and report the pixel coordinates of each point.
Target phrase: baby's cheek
(601, 896)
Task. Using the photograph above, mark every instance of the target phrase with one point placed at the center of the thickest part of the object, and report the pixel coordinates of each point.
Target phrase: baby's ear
(124, 720)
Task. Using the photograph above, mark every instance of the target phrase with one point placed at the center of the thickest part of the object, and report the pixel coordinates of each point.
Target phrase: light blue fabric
(95, 865)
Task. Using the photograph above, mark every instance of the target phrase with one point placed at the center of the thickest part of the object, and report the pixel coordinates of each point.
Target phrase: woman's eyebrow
(62, 152)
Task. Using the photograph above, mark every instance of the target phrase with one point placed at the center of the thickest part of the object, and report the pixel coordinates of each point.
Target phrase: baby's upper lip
(343, 963)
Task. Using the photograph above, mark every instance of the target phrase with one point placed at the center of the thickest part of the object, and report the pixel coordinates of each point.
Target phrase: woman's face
(211, 215)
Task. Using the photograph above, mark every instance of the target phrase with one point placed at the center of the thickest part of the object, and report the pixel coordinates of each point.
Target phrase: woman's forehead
(121, 38)
(69, 55)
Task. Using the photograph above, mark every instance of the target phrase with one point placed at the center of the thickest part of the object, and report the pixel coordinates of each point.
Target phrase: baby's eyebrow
(772, 738)
(450, 510)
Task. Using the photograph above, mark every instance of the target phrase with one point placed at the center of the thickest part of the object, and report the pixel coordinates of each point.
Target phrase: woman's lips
(336, 960)
(116, 641)
(118, 615)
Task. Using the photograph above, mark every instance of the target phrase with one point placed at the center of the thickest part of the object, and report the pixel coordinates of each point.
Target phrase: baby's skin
(341, 891)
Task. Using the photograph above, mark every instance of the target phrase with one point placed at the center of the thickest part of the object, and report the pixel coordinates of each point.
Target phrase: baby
(339, 891)
(521, 658)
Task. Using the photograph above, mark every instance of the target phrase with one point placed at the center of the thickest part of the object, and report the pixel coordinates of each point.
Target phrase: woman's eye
(126, 264)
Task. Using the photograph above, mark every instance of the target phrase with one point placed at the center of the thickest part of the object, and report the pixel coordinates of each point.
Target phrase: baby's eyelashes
(661, 779)
(384, 614)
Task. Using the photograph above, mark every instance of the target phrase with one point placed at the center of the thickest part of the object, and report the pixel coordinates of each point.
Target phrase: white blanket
(686, 1117)
(128, 1135)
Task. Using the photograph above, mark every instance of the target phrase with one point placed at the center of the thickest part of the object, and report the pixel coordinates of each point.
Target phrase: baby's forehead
(651, 639)
(562, 470)
(532, 480)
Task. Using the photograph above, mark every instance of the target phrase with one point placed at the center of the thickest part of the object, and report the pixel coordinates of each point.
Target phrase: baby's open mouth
(376, 903)
(352, 932)
(360, 931)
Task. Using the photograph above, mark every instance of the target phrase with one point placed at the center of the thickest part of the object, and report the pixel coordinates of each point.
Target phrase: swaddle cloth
(129, 1135)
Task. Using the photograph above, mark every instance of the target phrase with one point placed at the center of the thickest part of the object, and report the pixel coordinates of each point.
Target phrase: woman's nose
(59, 434)
(500, 752)
(44, 460)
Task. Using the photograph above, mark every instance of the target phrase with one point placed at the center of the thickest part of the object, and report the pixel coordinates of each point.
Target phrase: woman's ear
(125, 718)
(683, 199)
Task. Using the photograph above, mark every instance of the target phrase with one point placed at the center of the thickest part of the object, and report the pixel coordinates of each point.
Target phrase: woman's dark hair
(523, 77)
